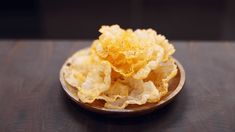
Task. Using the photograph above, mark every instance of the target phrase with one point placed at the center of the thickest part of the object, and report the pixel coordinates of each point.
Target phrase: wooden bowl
(175, 86)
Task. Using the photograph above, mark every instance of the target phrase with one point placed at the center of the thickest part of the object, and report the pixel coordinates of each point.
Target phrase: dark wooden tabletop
(32, 100)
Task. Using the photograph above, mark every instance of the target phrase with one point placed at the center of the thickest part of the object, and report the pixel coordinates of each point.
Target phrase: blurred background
(80, 19)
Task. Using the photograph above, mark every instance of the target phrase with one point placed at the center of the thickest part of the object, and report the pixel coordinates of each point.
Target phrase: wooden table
(31, 98)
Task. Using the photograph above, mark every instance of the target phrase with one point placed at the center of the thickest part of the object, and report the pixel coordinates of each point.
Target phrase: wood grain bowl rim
(103, 110)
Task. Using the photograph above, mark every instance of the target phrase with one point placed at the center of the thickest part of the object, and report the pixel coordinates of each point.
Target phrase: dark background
(80, 19)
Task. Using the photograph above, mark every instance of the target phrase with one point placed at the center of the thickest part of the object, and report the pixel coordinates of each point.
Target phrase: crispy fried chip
(140, 93)
(90, 78)
(132, 53)
(117, 90)
(145, 70)
(77, 67)
(162, 75)
(122, 67)
(150, 36)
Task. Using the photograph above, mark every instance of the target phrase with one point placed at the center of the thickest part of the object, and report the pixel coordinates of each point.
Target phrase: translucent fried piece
(145, 70)
(76, 68)
(97, 81)
(131, 53)
(154, 87)
(149, 36)
(119, 48)
(89, 77)
(140, 93)
(162, 75)
(122, 67)
(168, 48)
(117, 90)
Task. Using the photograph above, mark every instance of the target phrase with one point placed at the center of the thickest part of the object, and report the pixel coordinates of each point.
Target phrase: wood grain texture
(31, 98)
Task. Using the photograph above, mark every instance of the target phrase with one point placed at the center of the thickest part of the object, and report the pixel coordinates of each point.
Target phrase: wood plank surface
(32, 100)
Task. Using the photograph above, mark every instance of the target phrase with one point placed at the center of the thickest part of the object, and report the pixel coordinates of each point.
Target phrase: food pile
(122, 67)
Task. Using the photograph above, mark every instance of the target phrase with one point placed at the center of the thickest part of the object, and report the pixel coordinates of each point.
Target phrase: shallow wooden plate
(175, 86)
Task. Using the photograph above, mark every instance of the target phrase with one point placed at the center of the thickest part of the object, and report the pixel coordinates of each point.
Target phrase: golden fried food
(122, 67)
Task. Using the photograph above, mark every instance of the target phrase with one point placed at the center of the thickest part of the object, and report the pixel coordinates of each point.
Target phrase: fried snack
(89, 77)
(122, 67)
